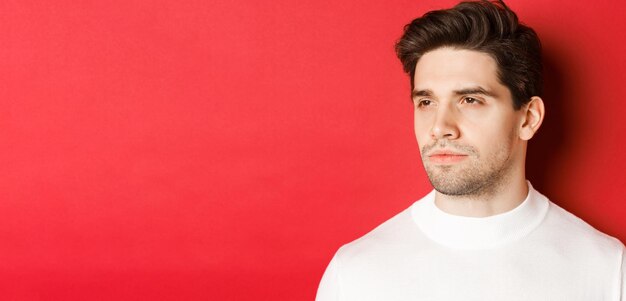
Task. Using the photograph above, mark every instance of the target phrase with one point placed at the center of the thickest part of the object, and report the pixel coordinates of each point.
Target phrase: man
(484, 233)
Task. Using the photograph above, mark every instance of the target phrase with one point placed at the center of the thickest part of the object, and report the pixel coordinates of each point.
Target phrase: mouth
(446, 157)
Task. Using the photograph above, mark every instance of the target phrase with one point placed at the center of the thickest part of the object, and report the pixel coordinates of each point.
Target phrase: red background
(223, 150)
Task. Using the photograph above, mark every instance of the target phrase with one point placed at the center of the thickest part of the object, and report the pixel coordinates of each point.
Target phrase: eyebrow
(421, 93)
(474, 90)
(465, 91)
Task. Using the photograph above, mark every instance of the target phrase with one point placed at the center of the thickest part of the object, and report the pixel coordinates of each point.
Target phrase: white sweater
(537, 251)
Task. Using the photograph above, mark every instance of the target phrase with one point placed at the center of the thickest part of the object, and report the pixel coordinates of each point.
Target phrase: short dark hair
(488, 27)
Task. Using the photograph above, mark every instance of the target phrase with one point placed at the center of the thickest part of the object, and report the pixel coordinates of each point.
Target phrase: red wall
(223, 150)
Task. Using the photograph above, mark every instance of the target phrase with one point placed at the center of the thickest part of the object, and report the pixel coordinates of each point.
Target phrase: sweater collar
(461, 232)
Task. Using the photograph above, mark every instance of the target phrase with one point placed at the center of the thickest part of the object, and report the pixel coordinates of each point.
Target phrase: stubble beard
(474, 178)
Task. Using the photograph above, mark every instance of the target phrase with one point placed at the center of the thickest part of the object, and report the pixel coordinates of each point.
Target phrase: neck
(497, 200)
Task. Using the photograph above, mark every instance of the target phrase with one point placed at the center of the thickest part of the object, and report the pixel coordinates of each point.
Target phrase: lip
(446, 156)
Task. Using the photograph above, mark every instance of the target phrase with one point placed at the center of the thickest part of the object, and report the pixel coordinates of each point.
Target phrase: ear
(533, 113)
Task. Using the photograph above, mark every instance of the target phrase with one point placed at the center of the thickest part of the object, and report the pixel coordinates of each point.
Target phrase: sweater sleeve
(330, 288)
(623, 274)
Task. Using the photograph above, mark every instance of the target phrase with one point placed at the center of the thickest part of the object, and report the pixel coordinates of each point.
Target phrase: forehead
(450, 68)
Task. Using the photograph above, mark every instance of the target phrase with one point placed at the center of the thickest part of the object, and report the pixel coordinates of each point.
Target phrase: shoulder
(392, 236)
(572, 232)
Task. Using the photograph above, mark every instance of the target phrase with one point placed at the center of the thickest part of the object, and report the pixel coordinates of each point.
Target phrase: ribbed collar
(461, 232)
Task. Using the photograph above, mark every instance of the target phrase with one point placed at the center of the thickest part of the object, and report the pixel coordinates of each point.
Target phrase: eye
(471, 100)
(424, 102)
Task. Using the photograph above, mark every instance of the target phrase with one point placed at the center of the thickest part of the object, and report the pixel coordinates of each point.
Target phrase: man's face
(465, 124)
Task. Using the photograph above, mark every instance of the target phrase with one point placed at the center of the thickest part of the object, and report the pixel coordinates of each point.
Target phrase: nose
(445, 124)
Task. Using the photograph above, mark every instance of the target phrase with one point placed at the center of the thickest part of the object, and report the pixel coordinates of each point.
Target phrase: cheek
(496, 123)
(422, 122)
(422, 131)
(492, 139)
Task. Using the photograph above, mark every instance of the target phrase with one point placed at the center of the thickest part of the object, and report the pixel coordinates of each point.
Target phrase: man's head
(487, 27)
(475, 76)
